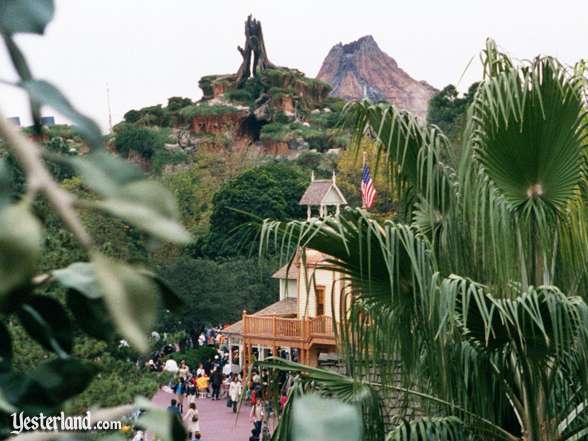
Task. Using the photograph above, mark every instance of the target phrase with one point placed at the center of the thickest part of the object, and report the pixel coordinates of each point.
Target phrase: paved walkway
(217, 421)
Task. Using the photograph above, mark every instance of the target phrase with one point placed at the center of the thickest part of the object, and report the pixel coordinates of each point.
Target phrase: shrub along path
(217, 421)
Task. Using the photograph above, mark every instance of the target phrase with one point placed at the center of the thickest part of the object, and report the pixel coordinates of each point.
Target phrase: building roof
(283, 308)
(287, 273)
(314, 257)
(287, 306)
(235, 328)
(323, 192)
(316, 191)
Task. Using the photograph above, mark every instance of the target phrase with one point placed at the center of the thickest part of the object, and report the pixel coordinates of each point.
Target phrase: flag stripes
(368, 192)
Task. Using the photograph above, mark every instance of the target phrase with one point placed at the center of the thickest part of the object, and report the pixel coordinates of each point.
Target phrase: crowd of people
(213, 379)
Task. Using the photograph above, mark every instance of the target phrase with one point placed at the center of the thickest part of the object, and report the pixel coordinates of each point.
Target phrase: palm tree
(478, 286)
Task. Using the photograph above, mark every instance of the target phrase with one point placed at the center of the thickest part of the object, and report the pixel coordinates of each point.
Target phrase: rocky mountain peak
(365, 42)
(360, 69)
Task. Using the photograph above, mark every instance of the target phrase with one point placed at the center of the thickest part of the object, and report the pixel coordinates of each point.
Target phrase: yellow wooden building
(299, 325)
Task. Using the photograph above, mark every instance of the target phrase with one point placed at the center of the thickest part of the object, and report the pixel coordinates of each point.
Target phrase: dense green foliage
(158, 115)
(447, 109)
(205, 110)
(250, 91)
(217, 292)
(193, 357)
(117, 381)
(269, 191)
(176, 103)
(49, 360)
(315, 136)
(142, 140)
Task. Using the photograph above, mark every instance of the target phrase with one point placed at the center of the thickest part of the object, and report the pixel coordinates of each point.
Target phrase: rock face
(362, 70)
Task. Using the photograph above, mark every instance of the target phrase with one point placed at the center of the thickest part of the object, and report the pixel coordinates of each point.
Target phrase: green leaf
(29, 16)
(316, 418)
(105, 173)
(46, 387)
(130, 297)
(64, 378)
(164, 424)
(5, 406)
(81, 277)
(533, 150)
(5, 184)
(148, 206)
(5, 348)
(169, 297)
(18, 61)
(45, 93)
(20, 250)
(429, 429)
(25, 393)
(91, 315)
(46, 321)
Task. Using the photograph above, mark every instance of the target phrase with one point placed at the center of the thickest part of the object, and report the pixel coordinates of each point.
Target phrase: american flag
(368, 192)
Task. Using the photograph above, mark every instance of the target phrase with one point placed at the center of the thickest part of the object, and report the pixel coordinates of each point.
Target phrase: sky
(145, 51)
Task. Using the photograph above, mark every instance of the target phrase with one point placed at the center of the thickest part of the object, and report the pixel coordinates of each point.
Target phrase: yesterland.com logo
(59, 423)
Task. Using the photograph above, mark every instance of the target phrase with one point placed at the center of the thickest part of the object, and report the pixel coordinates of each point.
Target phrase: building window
(320, 300)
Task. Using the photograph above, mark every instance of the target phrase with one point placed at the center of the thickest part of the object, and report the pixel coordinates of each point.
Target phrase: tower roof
(323, 192)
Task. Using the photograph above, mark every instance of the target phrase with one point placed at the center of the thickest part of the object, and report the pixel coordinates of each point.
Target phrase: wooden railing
(289, 329)
(321, 326)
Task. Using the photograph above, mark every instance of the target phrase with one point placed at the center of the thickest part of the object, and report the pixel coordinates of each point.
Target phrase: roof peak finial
(334, 177)
(312, 176)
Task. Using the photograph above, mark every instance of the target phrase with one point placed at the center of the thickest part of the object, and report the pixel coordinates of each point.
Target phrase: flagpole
(362, 168)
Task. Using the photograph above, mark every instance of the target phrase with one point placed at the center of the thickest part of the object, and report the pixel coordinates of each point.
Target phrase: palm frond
(530, 136)
(430, 429)
(328, 384)
(494, 61)
(413, 151)
(384, 268)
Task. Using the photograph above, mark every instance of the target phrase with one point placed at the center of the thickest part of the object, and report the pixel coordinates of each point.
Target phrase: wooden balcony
(293, 332)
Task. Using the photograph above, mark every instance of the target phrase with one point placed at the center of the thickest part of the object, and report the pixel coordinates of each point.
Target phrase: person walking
(183, 371)
(216, 379)
(256, 417)
(173, 408)
(180, 391)
(202, 385)
(191, 421)
(200, 371)
(235, 391)
(191, 391)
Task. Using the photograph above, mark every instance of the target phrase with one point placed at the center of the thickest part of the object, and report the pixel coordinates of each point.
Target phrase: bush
(277, 92)
(326, 120)
(142, 140)
(309, 160)
(63, 131)
(276, 132)
(205, 84)
(118, 382)
(132, 116)
(163, 157)
(270, 191)
(193, 357)
(149, 116)
(281, 118)
(176, 103)
(205, 109)
(239, 95)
